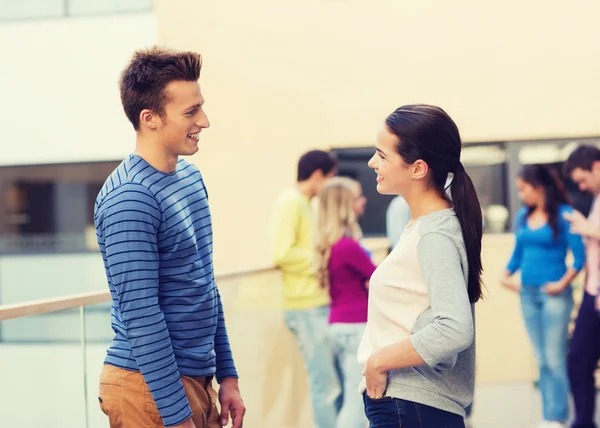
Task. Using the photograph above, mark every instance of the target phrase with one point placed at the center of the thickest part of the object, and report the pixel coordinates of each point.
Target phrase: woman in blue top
(543, 239)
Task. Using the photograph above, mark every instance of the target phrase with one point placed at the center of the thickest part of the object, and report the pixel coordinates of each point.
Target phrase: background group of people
(547, 229)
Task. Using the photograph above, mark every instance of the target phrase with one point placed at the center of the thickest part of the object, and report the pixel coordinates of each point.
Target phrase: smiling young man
(154, 230)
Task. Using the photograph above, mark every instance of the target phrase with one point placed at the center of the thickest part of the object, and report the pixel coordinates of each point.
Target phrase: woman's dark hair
(540, 176)
(427, 132)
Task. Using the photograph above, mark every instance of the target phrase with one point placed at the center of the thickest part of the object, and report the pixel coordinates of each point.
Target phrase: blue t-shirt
(540, 257)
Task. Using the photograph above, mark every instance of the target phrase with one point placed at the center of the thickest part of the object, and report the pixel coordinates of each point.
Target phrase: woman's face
(530, 196)
(359, 201)
(394, 176)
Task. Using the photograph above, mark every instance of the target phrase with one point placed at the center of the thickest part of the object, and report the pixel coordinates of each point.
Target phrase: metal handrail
(45, 306)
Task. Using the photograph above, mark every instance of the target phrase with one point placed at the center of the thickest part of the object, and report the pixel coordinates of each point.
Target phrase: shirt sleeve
(129, 227)
(514, 264)
(357, 258)
(225, 364)
(452, 330)
(284, 250)
(574, 241)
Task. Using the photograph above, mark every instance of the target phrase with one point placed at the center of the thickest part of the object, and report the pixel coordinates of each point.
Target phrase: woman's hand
(553, 288)
(510, 284)
(376, 379)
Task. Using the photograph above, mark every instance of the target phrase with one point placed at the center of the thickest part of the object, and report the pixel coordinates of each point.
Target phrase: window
(353, 163)
(486, 165)
(31, 9)
(50, 208)
(493, 168)
(95, 7)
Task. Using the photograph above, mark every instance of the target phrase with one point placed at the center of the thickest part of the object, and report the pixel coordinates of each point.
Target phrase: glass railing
(60, 344)
(52, 352)
(46, 348)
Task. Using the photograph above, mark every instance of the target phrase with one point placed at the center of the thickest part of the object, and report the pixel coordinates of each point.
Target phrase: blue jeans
(547, 320)
(310, 327)
(390, 412)
(345, 339)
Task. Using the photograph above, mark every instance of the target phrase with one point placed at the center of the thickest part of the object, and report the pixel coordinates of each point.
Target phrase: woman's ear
(420, 169)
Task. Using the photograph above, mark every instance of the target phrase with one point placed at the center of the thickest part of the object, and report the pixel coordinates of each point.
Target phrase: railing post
(84, 355)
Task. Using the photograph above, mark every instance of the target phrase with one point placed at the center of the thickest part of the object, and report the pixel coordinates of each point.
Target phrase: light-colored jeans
(345, 339)
(310, 326)
(547, 320)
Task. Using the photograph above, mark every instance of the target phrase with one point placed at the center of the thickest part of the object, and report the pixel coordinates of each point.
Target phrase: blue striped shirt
(155, 236)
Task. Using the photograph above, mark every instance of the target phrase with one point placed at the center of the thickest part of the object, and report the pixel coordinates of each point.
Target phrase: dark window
(353, 163)
(50, 208)
(493, 168)
(486, 165)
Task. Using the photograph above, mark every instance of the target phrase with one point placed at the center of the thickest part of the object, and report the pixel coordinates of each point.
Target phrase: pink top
(349, 268)
(593, 253)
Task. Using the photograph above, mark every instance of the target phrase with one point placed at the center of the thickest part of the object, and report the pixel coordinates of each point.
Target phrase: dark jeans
(584, 352)
(394, 412)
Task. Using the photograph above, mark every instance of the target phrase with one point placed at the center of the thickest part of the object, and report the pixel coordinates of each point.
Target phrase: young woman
(344, 267)
(543, 239)
(418, 349)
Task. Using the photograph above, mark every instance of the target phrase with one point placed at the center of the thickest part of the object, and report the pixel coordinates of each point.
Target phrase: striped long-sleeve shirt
(155, 236)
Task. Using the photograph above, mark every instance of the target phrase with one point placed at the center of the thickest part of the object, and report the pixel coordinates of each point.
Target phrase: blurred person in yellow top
(305, 301)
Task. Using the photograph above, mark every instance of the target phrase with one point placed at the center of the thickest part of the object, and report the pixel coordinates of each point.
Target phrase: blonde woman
(344, 268)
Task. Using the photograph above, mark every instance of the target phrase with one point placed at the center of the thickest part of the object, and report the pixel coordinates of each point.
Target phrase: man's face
(184, 118)
(587, 181)
(321, 178)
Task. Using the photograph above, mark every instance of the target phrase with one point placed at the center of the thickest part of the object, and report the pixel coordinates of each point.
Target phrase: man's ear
(317, 174)
(148, 119)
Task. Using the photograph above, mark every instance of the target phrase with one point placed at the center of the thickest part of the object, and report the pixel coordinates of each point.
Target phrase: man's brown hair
(143, 81)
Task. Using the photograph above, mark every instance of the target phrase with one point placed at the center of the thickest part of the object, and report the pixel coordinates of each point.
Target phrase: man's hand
(580, 225)
(188, 423)
(231, 403)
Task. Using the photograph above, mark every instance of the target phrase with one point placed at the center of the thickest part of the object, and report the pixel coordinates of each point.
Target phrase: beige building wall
(281, 77)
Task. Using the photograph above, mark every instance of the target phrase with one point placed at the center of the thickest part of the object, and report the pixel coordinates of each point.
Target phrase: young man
(305, 302)
(154, 231)
(583, 166)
